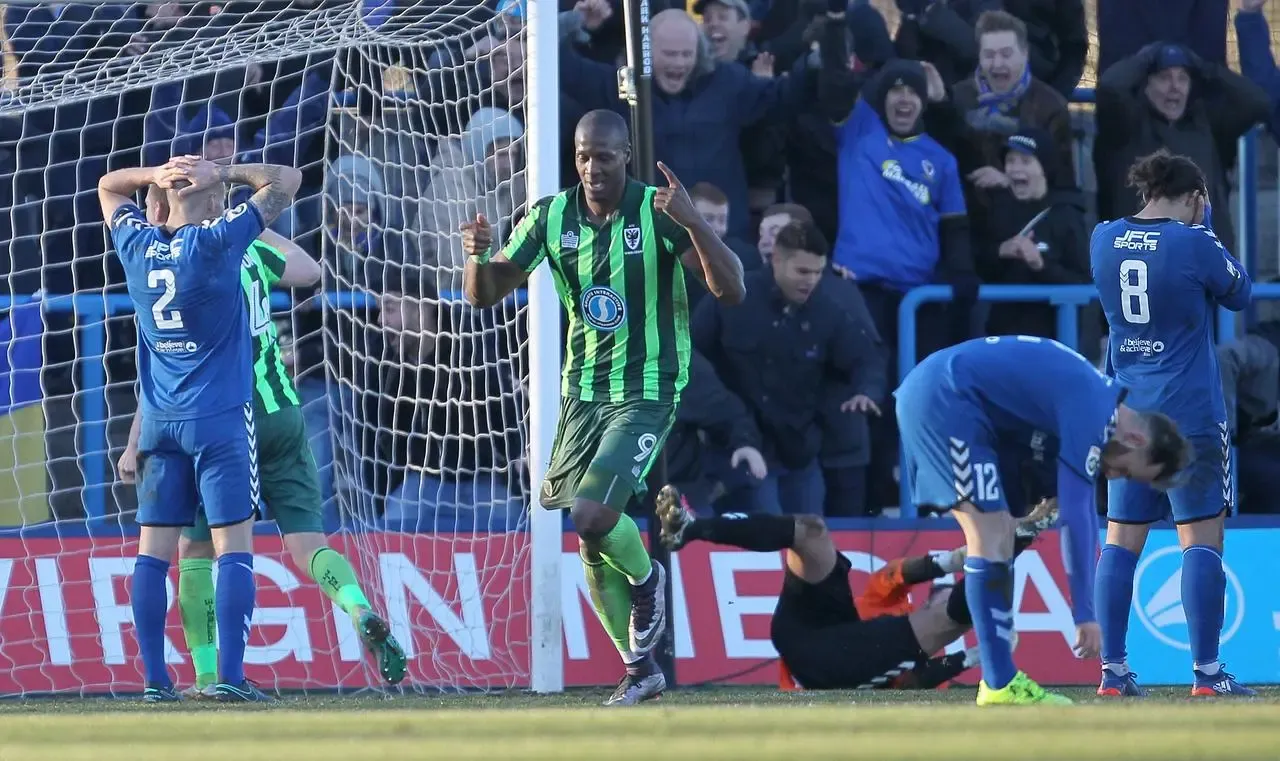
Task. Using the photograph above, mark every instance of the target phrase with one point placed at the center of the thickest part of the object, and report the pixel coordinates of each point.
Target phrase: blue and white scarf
(1000, 103)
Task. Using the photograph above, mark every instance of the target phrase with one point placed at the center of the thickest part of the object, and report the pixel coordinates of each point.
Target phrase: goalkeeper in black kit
(825, 637)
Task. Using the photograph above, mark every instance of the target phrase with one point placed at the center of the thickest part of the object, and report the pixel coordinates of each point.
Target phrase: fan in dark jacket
(1034, 235)
(1168, 97)
(1001, 97)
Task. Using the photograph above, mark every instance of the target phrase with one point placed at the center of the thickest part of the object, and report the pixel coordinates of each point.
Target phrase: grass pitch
(711, 724)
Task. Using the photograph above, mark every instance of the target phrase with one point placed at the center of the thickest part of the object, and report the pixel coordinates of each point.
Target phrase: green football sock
(338, 580)
(623, 549)
(199, 617)
(611, 598)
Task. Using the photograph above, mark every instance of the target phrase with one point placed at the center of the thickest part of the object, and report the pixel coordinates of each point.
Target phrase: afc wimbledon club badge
(631, 237)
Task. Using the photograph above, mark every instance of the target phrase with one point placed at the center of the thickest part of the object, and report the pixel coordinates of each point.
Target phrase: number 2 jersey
(194, 343)
(1159, 281)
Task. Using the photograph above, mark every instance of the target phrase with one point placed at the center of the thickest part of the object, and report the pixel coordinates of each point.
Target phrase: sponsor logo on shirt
(892, 171)
(164, 252)
(569, 240)
(1138, 240)
(603, 308)
(176, 347)
(1144, 346)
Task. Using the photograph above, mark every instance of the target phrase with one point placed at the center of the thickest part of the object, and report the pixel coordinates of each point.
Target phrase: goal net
(407, 118)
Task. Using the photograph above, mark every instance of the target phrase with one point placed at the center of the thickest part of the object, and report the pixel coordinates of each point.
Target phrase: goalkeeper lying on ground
(290, 480)
(826, 638)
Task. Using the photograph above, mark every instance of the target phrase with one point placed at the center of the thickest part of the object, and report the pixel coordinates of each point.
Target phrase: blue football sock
(1112, 598)
(233, 606)
(989, 593)
(1203, 593)
(150, 601)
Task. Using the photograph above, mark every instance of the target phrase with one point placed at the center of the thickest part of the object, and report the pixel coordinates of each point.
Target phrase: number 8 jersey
(1159, 281)
(194, 343)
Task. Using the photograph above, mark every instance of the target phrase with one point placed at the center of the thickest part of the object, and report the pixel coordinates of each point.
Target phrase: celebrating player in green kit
(290, 480)
(615, 247)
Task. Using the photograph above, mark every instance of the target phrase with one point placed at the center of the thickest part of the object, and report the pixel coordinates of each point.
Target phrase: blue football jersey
(893, 193)
(1034, 393)
(1159, 282)
(195, 353)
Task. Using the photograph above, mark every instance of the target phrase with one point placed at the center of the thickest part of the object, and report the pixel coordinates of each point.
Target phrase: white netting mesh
(405, 118)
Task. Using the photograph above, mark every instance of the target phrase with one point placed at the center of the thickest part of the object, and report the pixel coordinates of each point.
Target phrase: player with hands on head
(1161, 276)
(197, 441)
(969, 416)
(618, 251)
(287, 469)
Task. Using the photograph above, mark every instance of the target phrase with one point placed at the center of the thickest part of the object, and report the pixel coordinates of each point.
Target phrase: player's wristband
(484, 256)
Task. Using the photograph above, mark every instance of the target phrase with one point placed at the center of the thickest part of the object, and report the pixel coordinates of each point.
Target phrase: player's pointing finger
(670, 175)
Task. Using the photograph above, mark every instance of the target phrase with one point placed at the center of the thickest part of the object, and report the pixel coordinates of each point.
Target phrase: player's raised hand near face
(167, 176)
(201, 174)
(673, 200)
(477, 236)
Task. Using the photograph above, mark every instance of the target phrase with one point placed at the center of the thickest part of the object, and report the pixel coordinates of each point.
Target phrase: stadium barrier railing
(92, 311)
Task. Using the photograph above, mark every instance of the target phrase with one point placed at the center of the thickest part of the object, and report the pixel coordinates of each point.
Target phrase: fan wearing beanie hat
(1034, 234)
(1167, 97)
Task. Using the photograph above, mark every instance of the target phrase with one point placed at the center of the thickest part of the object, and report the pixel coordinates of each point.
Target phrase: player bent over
(960, 407)
(618, 250)
(290, 479)
(827, 638)
(1161, 276)
(196, 443)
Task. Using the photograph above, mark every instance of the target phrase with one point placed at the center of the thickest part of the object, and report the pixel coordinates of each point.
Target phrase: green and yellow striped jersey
(623, 286)
(272, 387)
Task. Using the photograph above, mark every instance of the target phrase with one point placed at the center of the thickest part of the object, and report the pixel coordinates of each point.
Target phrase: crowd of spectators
(846, 151)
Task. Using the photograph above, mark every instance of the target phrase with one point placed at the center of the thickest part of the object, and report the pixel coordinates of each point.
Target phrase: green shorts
(603, 451)
(290, 479)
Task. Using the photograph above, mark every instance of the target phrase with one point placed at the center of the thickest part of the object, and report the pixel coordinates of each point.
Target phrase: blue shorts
(185, 463)
(1205, 493)
(950, 453)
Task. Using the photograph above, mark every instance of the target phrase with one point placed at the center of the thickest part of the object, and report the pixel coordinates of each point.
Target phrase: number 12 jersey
(1159, 282)
(195, 347)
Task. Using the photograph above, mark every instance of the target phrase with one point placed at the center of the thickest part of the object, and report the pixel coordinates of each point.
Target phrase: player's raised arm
(708, 257)
(1222, 274)
(292, 267)
(1076, 500)
(119, 188)
(274, 186)
(486, 278)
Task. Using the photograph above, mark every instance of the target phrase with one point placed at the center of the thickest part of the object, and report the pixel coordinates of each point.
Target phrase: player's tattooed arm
(274, 186)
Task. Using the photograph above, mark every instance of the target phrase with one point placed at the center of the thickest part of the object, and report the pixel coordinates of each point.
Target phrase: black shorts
(817, 632)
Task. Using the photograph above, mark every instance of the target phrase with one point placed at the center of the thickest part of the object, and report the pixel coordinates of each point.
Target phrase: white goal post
(395, 111)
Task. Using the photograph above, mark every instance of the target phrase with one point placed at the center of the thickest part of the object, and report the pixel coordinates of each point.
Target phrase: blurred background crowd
(915, 141)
